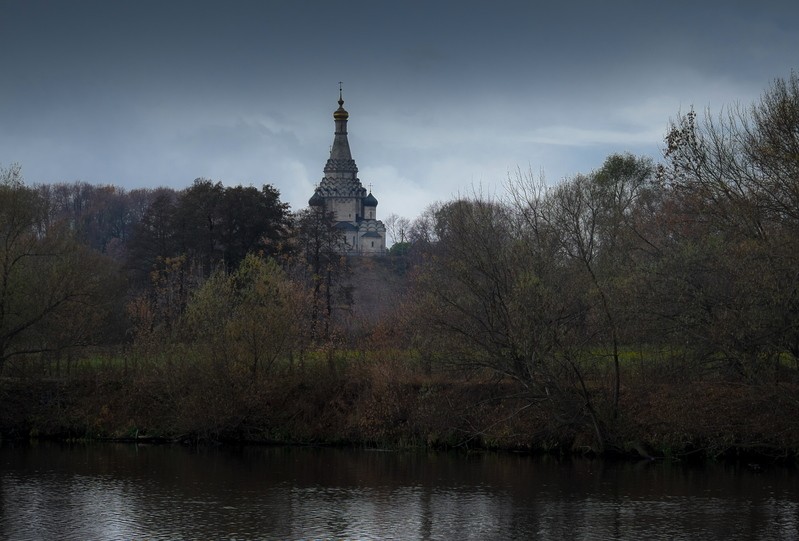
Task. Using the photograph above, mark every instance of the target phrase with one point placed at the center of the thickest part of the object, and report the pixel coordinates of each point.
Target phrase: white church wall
(345, 209)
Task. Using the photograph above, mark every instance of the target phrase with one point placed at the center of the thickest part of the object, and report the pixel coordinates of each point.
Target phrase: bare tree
(54, 292)
(398, 228)
(495, 295)
(733, 179)
(319, 247)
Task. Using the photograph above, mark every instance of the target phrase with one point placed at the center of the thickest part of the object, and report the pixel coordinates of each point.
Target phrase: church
(342, 194)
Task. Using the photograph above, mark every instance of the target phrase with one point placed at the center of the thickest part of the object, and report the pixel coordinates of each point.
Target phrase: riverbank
(390, 405)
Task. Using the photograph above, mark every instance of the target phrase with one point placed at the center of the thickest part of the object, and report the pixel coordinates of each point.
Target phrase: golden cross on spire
(339, 92)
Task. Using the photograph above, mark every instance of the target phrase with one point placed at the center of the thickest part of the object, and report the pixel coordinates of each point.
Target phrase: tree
(154, 237)
(54, 292)
(213, 225)
(421, 235)
(494, 294)
(592, 217)
(248, 317)
(733, 179)
(318, 244)
(398, 228)
(198, 221)
(99, 216)
(252, 221)
(183, 237)
(534, 287)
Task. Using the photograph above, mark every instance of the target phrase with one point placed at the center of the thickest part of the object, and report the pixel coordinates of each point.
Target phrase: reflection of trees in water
(124, 491)
(410, 512)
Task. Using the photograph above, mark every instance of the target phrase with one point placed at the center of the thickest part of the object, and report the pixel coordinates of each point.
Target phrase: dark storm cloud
(441, 94)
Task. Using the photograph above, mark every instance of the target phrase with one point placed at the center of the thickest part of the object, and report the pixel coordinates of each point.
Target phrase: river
(126, 491)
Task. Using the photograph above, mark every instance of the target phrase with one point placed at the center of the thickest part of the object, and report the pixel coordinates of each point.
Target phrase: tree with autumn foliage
(55, 293)
(734, 182)
(249, 318)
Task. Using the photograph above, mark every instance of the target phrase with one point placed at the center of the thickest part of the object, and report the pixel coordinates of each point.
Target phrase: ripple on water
(232, 498)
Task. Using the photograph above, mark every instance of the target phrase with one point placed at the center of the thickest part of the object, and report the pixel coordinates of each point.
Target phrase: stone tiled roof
(371, 228)
(341, 165)
(316, 199)
(341, 187)
(346, 226)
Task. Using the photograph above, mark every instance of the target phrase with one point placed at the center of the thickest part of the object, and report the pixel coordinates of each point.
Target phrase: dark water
(114, 491)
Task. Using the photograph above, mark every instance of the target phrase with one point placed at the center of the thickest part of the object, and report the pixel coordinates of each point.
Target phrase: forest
(647, 308)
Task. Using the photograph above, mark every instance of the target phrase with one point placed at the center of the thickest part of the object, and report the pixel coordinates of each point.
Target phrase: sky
(445, 97)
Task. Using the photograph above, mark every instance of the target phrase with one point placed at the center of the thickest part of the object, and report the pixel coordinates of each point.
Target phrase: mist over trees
(574, 303)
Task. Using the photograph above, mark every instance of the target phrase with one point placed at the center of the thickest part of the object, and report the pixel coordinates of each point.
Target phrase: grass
(386, 398)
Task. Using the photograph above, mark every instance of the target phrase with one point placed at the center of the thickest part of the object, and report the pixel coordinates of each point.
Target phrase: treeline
(641, 304)
(87, 266)
(208, 222)
(694, 260)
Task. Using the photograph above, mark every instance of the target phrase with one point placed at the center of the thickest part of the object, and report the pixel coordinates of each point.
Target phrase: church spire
(340, 154)
(341, 115)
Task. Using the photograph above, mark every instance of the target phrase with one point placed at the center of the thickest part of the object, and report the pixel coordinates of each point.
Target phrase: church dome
(370, 200)
(316, 200)
(341, 113)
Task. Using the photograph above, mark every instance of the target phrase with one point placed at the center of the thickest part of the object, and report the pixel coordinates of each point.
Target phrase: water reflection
(163, 492)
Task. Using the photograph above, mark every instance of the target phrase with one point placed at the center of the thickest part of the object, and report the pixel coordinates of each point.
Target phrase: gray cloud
(442, 95)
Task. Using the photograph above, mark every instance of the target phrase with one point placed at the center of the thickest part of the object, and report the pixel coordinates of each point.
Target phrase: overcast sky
(442, 96)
